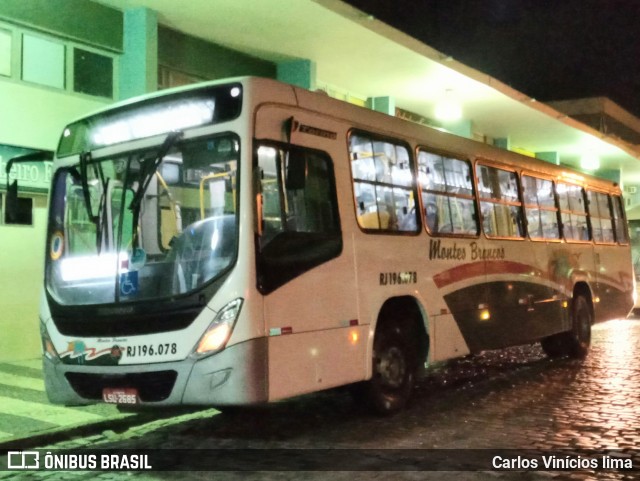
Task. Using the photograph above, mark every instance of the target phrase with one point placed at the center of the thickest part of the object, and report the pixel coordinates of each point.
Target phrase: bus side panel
(317, 339)
(497, 296)
(313, 361)
(446, 341)
(614, 287)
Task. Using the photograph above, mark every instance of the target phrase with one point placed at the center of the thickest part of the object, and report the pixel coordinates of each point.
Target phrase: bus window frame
(266, 285)
(611, 218)
(483, 161)
(623, 220)
(473, 197)
(583, 190)
(373, 136)
(541, 176)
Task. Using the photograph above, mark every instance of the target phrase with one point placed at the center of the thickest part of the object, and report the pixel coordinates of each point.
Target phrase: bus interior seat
(374, 220)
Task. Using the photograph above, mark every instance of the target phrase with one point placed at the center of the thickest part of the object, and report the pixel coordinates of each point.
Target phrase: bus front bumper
(235, 376)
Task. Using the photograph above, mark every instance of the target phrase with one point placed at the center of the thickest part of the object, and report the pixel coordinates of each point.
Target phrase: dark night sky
(548, 49)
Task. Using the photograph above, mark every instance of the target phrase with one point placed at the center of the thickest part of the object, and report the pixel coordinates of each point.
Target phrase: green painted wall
(139, 61)
(34, 117)
(197, 57)
(85, 21)
(22, 261)
(301, 73)
(31, 117)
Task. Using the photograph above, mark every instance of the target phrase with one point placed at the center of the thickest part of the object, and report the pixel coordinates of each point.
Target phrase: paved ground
(25, 410)
(515, 399)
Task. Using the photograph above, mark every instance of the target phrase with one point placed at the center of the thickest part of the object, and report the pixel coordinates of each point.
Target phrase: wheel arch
(582, 288)
(410, 314)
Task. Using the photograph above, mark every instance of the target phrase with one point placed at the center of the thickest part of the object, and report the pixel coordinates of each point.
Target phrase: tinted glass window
(501, 208)
(573, 212)
(540, 208)
(383, 185)
(446, 185)
(92, 73)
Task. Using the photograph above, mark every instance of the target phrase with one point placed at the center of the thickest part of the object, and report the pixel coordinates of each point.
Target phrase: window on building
(43, 61)
(573, 212)
(500, 202)
(92, 73)
(447, 194)
(56, 62)
(540, 208)
(5, 52)
(383, 184)
(19, 214)
(169, 77)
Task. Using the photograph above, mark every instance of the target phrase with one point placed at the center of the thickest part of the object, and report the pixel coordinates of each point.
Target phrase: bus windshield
(144, 224)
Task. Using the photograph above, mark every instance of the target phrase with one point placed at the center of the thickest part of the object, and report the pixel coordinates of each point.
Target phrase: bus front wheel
(393, 370)
(575, 342)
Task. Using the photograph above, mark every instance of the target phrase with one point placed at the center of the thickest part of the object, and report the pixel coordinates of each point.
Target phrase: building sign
(31, 176)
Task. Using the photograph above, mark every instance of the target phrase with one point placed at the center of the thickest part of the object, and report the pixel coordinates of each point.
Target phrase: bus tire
(575, 342)
(554, 346)
(394, 370)
(580, 334)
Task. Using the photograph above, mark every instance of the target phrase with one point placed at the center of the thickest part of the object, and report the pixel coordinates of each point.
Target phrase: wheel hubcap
(392, 367)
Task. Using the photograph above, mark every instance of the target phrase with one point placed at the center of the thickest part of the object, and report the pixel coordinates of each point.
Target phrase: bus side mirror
(11, 203)
(18, 211)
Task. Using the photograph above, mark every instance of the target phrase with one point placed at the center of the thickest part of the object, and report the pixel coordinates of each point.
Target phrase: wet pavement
(515, 400)
(25, 411)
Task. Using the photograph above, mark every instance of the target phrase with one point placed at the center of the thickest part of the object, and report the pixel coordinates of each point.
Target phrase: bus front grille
(151, 386)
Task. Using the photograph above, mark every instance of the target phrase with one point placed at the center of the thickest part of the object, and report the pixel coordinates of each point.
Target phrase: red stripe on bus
(510, 267)
(458, 273)
(481, 269)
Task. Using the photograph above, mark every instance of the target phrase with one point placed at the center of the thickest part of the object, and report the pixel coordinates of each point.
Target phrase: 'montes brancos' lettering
(491, 253)
(455, 252)
(446, 252)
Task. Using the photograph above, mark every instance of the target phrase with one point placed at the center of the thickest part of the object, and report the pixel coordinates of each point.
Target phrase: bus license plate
(120, 395)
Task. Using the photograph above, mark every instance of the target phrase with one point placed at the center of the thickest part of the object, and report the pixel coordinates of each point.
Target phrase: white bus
(244, 241)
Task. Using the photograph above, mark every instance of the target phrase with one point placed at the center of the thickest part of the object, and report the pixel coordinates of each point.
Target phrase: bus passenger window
(447, 194)
(540, 208)
(383, 185)
(501, 208)
(619, 220)
(573, 212)
(600, 215)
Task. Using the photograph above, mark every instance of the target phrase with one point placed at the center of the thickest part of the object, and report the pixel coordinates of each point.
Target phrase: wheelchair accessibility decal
(129, 283)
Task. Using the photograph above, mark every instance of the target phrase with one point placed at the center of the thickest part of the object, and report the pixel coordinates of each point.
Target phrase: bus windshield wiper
(99, 220)
(148, 169)
(85, 158)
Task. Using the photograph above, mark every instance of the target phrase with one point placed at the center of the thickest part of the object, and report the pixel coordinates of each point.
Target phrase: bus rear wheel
(394, 370)
(575, 342)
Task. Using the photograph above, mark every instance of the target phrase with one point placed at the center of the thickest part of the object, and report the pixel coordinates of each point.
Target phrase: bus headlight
(218, 333)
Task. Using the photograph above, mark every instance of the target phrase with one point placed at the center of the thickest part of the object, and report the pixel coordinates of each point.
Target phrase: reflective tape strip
(280, 331)
(350, 323)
